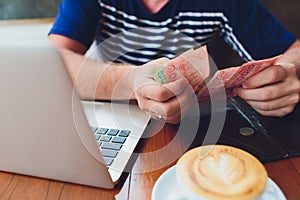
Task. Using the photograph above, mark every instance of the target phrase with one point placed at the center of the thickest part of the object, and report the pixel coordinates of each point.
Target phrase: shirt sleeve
(78, 20)
(257, 30)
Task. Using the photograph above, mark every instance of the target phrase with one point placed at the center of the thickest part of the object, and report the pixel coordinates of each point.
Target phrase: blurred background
(25, 9)
(287, 12)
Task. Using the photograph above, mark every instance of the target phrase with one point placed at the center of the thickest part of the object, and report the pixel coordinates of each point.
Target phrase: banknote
(218, 81)
(249, 69)
(233, 77)
(192, 65)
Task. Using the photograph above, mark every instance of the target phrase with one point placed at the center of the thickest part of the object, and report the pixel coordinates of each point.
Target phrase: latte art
(222, 172)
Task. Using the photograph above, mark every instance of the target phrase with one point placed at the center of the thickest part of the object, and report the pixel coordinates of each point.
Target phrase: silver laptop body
(44, 130)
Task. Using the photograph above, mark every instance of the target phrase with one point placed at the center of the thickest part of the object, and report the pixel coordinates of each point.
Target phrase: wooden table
(286, 173)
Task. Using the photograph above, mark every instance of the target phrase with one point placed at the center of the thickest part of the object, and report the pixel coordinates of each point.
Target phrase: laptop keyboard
(110, 142)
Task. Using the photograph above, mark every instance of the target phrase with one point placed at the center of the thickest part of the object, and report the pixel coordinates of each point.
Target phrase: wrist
(116, 82)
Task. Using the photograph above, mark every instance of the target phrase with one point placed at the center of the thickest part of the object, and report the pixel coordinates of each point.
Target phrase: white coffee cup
(220, 172)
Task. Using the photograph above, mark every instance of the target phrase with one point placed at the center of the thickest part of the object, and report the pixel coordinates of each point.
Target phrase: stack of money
(194, 66)
(233, 77)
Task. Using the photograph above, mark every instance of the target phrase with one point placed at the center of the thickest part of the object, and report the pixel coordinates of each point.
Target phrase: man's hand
(169, 101)
(276, 90)
(273, 92)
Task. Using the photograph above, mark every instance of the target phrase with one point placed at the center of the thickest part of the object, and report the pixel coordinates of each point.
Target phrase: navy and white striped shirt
(127, 32)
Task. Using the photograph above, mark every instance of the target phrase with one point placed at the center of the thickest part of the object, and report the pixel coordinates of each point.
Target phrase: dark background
(287, 12)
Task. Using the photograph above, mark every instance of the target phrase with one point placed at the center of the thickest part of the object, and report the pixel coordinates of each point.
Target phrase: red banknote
(232, 77)
(220, 78)
(249, 69)
(193, 65)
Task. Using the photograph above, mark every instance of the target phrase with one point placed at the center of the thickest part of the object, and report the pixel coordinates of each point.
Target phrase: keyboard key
(113, 132)
(110, 142)
(94, 129)
(102, 131)
(109, 153)
(97, 136)
(99, 143)
(120, 140)
(108, 161)
(112, 146)
(124, 133)
(105, 138)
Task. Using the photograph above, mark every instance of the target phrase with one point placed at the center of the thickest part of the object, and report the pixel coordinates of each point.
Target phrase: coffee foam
(222, 172)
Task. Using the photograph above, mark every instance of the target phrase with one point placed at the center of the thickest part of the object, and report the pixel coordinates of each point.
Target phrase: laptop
(47, 131)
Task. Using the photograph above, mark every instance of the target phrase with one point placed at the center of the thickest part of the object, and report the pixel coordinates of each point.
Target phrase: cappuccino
(221, 172)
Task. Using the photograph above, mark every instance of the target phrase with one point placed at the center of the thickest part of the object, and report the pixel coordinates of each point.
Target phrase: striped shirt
(125, 31)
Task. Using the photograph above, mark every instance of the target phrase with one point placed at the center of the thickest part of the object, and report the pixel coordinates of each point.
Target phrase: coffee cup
(220, 172)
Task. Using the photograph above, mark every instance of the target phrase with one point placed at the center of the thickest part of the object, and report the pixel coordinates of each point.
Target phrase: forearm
(95, 80)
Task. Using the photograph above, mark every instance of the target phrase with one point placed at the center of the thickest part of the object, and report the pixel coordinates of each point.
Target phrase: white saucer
(166, 188)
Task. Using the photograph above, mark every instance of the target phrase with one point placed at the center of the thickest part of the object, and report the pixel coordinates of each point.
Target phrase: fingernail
(245, 85)
(235, 91)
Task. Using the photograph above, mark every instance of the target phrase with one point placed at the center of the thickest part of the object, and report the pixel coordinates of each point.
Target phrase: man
(139, 32)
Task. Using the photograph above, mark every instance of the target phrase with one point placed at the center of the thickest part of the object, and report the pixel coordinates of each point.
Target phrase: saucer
(166, 188)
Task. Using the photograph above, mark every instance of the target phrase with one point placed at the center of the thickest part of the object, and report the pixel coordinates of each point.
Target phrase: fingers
(279, 112)
(275, 95)
(266, 93)
(268, 76)
(275, 86)
(169, 102)
(277, 107)
(158, 92)
(162, 111)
